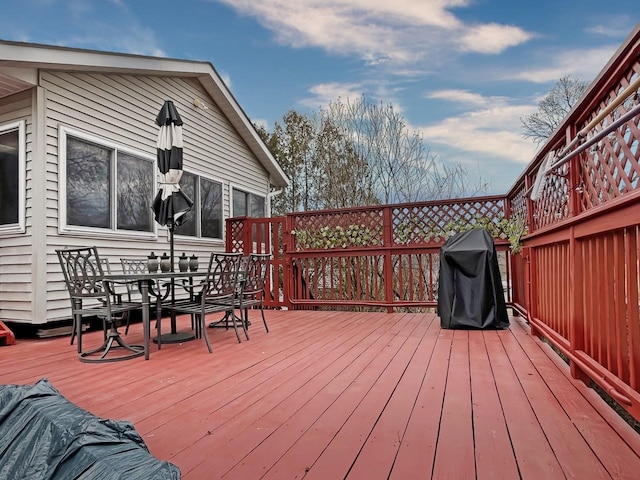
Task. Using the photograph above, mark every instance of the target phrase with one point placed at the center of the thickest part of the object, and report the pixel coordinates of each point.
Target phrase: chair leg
(264, 320)
(73, 329)
(243, 323)
(158, 322)
(126, 330)
(203, 330)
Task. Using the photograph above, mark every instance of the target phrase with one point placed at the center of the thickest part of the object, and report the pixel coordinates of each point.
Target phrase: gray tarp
(470, 289)
(44, 436)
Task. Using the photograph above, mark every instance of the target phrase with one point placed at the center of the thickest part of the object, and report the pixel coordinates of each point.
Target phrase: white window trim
(63, 228)
(233, 186)
(200, 239)
(22, 175)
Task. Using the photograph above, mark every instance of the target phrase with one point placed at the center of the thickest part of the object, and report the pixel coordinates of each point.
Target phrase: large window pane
(207, 207)
(239, 203)
(88, 180)
(188, 184)
(248, 204)
(135, 183)
(257, 206)
(9, 178)
(211, 201)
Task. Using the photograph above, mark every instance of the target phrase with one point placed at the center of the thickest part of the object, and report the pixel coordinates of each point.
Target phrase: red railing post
(289, 280)
(387, 234)
(576, 315)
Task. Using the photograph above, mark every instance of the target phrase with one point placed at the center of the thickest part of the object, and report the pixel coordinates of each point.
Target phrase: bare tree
(358, 153)
(552, 109)
(402, 167)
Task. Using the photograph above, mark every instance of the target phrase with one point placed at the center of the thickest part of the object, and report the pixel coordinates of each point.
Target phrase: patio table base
(177, 337)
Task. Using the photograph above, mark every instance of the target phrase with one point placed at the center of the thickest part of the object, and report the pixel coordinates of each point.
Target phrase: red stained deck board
(560, 432)
(295, 415)
(313, 427)
(337, 459)
(417, 450)
(493, 452)
(275, 406)
(219, 413)
(377, 457)
(455, 452)
(185, 379)
(238, 423)
(617, 449)
(287, 399)
(534, 456)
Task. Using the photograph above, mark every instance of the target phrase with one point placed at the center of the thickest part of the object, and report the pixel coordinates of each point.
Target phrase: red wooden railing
(577, 279)
(381, 256)
(580, 279)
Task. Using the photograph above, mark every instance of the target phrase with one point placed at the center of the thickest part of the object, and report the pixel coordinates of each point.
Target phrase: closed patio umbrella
(171, 203)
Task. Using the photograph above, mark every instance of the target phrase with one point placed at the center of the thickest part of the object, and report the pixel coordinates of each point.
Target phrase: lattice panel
(553, 205)
(236, 235)
(519, 204)
(430, 223)
(610, 168)
(325, 230)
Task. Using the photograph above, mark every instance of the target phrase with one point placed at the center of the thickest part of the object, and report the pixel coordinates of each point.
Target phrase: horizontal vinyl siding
(122, 109)
(15, 248)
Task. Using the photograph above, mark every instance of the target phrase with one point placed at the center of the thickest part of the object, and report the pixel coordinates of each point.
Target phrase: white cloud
(492, 38)
(493, 131)
(486, 141)
(612, 26)
(464, 97)
(324, 93)
(379, 31)
(584, 64)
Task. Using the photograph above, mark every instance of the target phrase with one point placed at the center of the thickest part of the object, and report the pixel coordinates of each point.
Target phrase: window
(205, 218)
(248, 204)
(12, 177)
(104, 186)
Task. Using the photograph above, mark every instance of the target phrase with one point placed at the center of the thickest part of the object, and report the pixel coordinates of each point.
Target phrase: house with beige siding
(77, 164)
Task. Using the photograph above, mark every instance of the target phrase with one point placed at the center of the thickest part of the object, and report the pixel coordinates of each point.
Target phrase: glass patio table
(145, 283)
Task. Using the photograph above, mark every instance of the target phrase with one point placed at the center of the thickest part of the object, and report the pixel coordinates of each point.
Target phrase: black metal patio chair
(91, 295)
(159, 291)
(252, 288)
(216, 294)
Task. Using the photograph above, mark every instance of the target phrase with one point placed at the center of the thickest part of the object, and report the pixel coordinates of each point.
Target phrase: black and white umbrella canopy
(171, 203)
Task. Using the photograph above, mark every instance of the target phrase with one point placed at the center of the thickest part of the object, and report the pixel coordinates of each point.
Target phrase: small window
(105, 187)
(12, 177)
(205, 218)
(248, 204)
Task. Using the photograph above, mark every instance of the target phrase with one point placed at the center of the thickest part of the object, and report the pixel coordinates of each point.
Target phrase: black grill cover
(470, 292)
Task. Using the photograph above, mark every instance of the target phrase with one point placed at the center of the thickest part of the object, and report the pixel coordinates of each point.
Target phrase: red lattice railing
(580, 265)
(432, 222)
(610, 168)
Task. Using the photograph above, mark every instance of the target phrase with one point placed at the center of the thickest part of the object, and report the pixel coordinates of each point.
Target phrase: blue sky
(462, 72)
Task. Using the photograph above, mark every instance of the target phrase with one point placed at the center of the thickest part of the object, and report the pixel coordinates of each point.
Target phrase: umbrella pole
(174, 336)
(174, 327)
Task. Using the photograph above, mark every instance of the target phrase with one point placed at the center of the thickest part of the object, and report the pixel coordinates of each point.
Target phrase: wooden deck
(331, 395)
